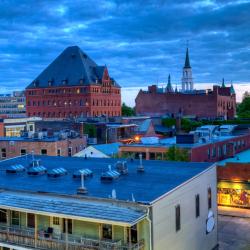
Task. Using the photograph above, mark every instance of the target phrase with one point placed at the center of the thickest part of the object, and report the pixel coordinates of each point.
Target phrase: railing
(26, 237)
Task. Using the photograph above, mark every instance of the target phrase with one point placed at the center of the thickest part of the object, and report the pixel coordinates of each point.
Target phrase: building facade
(53, 146)
(13, 105)
(179, 212)
(233, 181)
(219, 102)
(73, 85)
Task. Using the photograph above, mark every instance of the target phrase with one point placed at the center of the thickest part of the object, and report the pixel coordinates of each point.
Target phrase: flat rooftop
(243, 157)
(26, 139)
(168, 142)
(159, 177)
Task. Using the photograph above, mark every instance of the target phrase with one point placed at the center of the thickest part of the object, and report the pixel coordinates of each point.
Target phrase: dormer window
(36, 83)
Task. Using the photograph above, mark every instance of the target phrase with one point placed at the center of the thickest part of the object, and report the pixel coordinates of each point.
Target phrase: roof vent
(15, 169)
(73, 55)
(110, 175)
(85, 172)
(39, 170)
(140, 168)
(82, 189)
(121, 167)
(56, 172)
(113, 194)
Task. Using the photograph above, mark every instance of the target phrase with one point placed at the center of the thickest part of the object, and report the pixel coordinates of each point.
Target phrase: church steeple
(232, 91)
(223, 83)
(187, 79)
(169, 85)
(187, 62)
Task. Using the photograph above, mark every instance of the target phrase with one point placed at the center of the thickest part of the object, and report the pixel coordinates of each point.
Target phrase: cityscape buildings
(219, 102)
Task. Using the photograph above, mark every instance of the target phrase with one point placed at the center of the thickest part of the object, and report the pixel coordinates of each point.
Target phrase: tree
(127, 111)
(176, 154)
(243, 110)
(89, 129)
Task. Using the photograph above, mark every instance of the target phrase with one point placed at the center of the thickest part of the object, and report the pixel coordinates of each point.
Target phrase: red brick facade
(66, 147)
(219, 102)
(74, 101)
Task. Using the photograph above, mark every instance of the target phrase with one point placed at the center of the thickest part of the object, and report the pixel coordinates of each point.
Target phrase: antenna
(187, 43)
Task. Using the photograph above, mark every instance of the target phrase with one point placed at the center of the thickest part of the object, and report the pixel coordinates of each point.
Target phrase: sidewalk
(235, 212)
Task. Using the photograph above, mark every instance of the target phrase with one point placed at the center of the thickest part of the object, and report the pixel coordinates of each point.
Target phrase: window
(208, 153)
(214, 152)
(58, 152)
(107, 231)
(197, 205)
(209, 198)
(15, 218)
(70, 151)
(3, 152)
(177, 218)
(56, 221)
(31, 220)
(23, 151)
(3, 216)
(43, 151)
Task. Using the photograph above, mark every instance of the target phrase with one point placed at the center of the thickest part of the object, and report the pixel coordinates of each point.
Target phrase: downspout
(150, 228)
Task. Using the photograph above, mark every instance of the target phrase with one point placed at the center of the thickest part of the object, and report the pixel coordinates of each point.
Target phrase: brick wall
(210, 105)
(13, 148)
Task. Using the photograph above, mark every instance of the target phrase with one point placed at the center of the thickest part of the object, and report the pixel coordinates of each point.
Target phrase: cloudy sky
(141, 41)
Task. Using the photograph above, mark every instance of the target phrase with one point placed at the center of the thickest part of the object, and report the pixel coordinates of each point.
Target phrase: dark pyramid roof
(72, 66)
(187, 62)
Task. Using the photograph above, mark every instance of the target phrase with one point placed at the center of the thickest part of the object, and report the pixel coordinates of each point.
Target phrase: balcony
(27, 238)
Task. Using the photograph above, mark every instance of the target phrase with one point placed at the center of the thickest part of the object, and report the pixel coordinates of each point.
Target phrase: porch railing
(26, 237)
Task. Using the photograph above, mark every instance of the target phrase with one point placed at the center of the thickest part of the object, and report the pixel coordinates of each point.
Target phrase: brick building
(201, 149)
(233, 181)
(73, 85)
(211, 103)
(52, 146)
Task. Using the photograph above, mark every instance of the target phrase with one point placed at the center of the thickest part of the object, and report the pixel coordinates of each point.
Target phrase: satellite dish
(210, 222)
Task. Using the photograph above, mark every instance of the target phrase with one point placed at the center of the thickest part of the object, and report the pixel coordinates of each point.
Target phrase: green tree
(176, 154)
(243, 110)
(127, 111)
(89, 129)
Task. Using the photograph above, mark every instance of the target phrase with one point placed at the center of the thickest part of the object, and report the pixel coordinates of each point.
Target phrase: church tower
(187, 79)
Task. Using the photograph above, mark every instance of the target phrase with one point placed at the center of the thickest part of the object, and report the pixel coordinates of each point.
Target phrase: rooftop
(159, 178)
(243, 157)
(26, 139)
(67, 206)
(171, 141)
(70, 68)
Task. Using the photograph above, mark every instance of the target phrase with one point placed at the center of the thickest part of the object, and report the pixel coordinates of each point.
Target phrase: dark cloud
(141, 41)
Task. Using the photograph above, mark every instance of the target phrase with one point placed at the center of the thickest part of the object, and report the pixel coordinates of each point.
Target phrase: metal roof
(159, 177)
(73, 207)
(72, 66)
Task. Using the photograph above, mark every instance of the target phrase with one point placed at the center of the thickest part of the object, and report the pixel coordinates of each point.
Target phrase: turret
(169, 85)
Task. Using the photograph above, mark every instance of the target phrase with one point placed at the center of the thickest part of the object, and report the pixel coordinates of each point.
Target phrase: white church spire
(187, 79)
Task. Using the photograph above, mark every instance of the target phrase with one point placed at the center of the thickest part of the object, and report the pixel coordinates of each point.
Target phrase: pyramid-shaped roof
(72, 67)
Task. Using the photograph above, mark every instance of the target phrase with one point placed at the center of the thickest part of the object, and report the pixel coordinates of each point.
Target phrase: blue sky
(141, 41)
